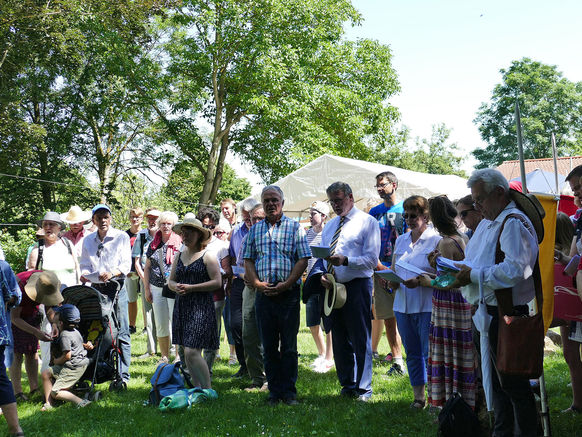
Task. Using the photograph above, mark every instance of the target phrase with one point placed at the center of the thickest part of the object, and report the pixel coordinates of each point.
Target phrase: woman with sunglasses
(413, 303)
(451, 364)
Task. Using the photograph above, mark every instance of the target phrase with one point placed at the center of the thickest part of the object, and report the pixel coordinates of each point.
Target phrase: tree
(185, 184)
(276, 82)
(548, 102)
(432, 155)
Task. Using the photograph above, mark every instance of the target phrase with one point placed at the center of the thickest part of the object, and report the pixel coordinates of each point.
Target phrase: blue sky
(448, 53)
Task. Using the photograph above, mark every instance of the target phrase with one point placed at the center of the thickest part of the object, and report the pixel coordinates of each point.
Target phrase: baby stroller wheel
(97, 396)
(117, 385)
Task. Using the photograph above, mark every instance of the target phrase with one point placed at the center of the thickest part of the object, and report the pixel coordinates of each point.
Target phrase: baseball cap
(69, 313)
(320, 206)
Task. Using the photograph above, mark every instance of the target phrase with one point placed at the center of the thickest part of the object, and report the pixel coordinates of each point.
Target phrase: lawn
(238, 413)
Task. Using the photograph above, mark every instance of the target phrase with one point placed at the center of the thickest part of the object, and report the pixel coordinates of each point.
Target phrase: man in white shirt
(105, 260)
(353, 260)
(513, 401)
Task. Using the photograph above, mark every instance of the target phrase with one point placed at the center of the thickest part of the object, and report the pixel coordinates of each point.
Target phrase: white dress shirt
(520, 248)
(115, 255)
(359, 240)
(419, 299)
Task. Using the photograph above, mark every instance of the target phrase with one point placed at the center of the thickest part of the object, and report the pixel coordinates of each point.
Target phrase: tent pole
(555, 162)
(520, 147)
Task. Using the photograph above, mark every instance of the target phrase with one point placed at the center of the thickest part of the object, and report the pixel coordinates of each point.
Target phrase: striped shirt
(276, 249)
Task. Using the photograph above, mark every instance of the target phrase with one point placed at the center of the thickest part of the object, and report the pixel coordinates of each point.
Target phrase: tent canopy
(307, 184)
(541, 181)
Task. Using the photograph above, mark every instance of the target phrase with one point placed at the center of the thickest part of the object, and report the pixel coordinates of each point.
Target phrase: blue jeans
(124, 336)
(278, 323)
(351, 327)
(413, 330)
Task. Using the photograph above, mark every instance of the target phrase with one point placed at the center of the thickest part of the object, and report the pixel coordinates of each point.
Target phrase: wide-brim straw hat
(532, 207)
(53, 217)
(335, 296)
(76, 215)
(193, 223)
(44, 288)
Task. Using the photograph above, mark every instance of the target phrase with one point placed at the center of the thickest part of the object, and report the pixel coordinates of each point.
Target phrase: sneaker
(375, 356)
(395, 370)
(232, 360)
(324, 367)
(317, 362)
(388, 358)
(254, 387)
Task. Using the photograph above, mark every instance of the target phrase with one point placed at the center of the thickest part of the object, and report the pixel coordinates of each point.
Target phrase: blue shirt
(10, 288)
(392, 225)
(238, 235)
(275, 249)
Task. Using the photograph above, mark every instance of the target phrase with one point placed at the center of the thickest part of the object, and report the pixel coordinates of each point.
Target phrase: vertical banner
(550, 205)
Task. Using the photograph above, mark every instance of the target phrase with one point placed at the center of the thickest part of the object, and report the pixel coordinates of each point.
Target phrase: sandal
(83, 403)
(21, 397)
(572, 409)
(46, 406)
(418, 404)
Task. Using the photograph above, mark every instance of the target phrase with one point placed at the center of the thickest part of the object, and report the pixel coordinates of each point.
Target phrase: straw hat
(52, 217)
(335, 296)
(76, 215)
(532, 207)
(193, 223)
(43, 287)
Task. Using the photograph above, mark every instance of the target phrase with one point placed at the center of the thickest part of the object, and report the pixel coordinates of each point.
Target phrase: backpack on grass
(167, 380)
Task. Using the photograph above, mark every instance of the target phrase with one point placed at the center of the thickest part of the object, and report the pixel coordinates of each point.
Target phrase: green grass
(321, 412)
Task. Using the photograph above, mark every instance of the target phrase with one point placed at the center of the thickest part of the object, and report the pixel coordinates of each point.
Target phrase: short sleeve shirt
(72, 341)
(391, 226)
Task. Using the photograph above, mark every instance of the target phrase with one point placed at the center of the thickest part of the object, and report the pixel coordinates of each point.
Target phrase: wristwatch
(345, 263)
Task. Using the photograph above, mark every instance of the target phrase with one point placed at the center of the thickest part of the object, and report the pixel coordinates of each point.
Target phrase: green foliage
(185, 185)
(548, 102)
(15, 247)
(432, 155)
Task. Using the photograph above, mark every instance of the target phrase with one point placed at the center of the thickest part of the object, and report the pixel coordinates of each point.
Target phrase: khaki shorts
(66, 378)
(383, 301)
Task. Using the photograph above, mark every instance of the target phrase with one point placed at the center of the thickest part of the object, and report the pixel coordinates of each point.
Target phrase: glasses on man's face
(466, 212)
(382, 185)
(407, 216)
(99, 250)
(337, 201)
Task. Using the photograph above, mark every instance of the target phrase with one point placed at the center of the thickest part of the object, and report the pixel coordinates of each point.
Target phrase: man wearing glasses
(105, 262)
(354, 240)
(389, 217)
(469, 215)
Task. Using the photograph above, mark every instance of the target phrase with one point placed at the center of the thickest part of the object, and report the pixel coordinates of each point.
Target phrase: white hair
(491, 179)
(167, 216)
(248, 204)
(274, 188)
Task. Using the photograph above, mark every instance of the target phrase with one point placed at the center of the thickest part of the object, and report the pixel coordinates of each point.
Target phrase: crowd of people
(252, 269)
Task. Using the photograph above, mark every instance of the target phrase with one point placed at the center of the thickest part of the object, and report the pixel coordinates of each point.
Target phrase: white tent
(307, 184)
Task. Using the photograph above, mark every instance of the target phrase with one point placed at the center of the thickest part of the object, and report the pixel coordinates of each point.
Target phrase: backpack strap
(504, 295)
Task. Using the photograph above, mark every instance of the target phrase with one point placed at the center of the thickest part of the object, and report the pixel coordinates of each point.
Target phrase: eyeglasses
(99, 250)
(211, 227)
(337, 201)
(407, 216)
(466, 212)
(382, 185)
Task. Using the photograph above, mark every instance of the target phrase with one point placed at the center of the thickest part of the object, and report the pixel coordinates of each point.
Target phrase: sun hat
(335, 296)
(43, 287)
(69, 313)
(98, 207)
(75, 215)
(320, 206)
(153, 213)
(52, 217)
(532, 207)
(193, 223)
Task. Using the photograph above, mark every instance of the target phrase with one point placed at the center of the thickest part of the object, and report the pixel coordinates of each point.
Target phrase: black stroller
(100, 326)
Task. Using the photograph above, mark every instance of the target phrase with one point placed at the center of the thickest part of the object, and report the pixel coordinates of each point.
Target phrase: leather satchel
(520, 346)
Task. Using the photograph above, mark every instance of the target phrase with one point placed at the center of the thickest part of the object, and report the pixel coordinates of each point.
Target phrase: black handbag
(166, 292)
(457, 418)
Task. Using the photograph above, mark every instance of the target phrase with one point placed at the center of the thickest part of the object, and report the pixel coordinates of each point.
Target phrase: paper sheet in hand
(389, 275)
(449, 265)
(93, 277)
(320, 251)
(410, 268)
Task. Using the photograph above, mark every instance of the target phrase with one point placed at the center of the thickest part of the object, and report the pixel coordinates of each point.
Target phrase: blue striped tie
(333, 244)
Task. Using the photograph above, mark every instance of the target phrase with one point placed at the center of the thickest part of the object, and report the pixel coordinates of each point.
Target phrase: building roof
(510, 169)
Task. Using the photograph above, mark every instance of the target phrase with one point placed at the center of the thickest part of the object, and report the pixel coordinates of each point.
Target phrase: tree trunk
(219, 167)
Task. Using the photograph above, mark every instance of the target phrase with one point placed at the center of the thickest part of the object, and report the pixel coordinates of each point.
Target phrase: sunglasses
(407, 216)
(466, 212)
(211, 227)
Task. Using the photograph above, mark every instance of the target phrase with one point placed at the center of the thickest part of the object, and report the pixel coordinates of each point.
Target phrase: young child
(69, 359)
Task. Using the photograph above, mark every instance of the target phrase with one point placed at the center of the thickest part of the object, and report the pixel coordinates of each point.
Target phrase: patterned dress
(194, 319)
(451, 366)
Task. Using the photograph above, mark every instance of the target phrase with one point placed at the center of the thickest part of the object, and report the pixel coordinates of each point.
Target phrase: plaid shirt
(276, 249)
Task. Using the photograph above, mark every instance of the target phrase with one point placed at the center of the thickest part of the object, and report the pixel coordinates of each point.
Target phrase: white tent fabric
(307, 184)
